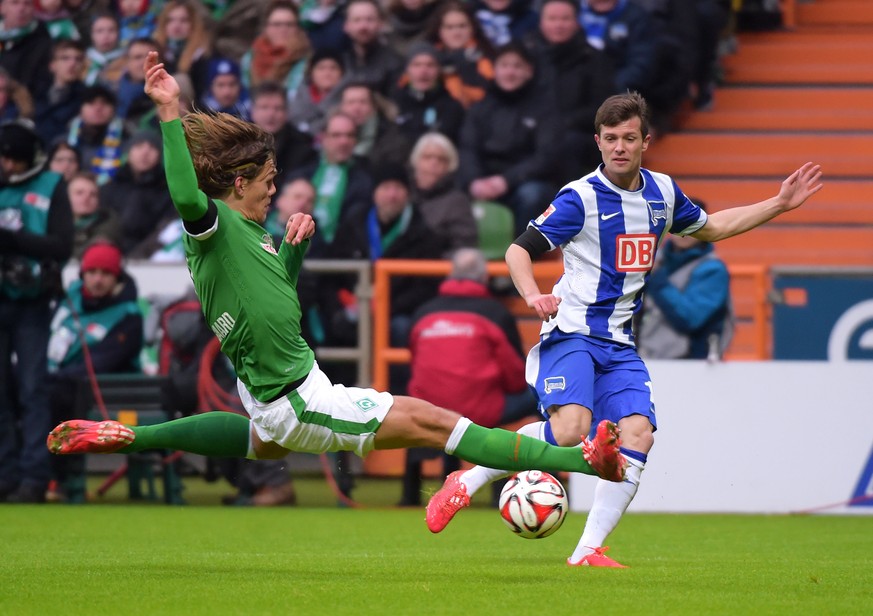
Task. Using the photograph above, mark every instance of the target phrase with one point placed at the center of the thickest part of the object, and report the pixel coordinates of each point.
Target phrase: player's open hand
(160, 86)
(299, 227)
(546, 306)
(800, 186)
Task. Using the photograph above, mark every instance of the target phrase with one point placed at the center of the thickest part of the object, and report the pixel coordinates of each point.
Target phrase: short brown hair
(621, 108)
(224, 147)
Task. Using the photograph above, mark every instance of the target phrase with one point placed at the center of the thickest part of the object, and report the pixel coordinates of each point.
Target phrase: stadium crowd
(354, 92)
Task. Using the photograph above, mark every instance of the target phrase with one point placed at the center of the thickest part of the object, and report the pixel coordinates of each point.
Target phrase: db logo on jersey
(634, 252)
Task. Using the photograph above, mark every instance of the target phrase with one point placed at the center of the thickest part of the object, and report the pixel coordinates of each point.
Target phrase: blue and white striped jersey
(609, 237)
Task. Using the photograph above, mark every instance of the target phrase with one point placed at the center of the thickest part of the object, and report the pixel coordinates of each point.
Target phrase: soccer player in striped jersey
(585, 368)
(220, 172)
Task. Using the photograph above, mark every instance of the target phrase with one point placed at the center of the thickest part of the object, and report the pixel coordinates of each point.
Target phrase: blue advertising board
(825, 315)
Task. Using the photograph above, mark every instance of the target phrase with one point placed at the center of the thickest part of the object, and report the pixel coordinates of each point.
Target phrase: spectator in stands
(15, 101)
(465, 52)
(503, 21)
(105, 52)
(407, 22)
(90, 220)
(423, 103)
(367, 58)
(579, 78)
(25, 46)
(294, 149)
(96, 133)
(63, 158)
(279, 52)
(687, 311)
(56, 108)
(512, 167)
(323, 21)
(135, 19)
(320, 93)
(445, 208)
(100, 312)
(36, 236)
(676, 31)
(225, 92)
(183, 36)
(465, 354)
(646, 59)
(133, 103)
(712, 17)
(379, 140)
(342, 182)
(392, 228)
(297, 195)
(56, 17)
(138, 193)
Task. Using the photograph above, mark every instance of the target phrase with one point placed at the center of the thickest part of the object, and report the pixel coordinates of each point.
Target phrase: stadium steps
(789, 96)
(766, 109)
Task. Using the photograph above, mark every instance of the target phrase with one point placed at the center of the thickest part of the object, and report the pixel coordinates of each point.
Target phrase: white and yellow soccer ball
(533, 504)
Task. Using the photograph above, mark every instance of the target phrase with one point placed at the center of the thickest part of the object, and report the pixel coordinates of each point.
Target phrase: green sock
(496, 448)
(217, 434)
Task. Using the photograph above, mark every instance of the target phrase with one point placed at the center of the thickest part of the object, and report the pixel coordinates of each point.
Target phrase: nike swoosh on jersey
(608, 216)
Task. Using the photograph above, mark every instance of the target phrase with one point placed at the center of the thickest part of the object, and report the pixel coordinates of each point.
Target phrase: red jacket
(466, 352)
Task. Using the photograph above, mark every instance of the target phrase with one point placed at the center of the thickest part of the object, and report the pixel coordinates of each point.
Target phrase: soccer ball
(533, 504)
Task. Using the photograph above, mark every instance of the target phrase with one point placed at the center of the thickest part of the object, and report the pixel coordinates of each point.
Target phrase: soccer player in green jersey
(220, 173)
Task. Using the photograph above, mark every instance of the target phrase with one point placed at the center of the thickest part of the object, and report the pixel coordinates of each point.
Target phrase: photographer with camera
(36, 237)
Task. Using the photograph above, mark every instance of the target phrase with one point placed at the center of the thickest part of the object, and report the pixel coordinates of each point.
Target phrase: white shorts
(319, 416)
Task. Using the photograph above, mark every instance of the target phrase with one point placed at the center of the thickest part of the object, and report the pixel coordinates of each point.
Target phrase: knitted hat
(145, 136)
(19, 142)
(98, 91)
(222, 66)
(419, 49)
(101, 256)
(391, 173)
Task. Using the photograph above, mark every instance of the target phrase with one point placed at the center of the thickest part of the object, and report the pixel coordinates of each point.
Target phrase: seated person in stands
(379, 140)
(514, 167)
(423, 103)
(650, 51)
(89, 219)
(98, 328)
(96, 133)
(58, 105)
(225, 91)
(466, 354)
(298, 195)
(138, 193)
(446, 209)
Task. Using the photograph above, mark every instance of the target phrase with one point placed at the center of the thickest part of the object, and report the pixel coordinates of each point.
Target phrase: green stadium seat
(496, 226)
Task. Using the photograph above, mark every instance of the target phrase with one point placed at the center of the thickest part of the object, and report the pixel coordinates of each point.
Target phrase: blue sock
(636, 455)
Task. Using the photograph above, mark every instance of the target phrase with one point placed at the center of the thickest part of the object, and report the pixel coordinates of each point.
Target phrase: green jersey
(248, 289)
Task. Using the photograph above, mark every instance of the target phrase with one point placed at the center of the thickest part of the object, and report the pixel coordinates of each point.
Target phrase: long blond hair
(224, 147)
(198, 43)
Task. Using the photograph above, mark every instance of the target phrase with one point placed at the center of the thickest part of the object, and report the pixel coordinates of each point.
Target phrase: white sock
(456, 435)
(479, 476)
(610, 502)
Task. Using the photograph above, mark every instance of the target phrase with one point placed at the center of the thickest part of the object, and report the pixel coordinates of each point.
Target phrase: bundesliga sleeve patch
(542, 217)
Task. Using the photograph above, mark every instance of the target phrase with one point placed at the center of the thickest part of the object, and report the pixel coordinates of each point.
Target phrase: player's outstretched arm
(795, 190)
(161, 87)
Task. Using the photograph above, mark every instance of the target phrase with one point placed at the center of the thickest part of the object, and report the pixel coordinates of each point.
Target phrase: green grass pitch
(120, 558)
